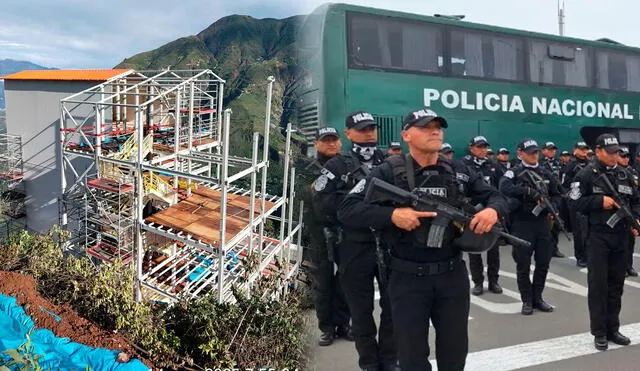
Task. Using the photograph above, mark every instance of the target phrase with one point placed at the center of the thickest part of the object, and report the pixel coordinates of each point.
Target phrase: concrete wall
(33, 112)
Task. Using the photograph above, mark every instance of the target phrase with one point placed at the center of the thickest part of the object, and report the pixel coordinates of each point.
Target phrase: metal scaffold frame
(12, 187)
(148, 178)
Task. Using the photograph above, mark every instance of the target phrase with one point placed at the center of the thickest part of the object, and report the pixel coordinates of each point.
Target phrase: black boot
(344, 331)
(618, 338)
(495, 288)
(558, 254)
(527, 308)
(601, 342)
(632, 272)
(326, 338)
(542, 306)
(477, 289)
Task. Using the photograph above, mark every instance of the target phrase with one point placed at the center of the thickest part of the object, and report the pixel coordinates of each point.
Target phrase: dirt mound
(62, 320)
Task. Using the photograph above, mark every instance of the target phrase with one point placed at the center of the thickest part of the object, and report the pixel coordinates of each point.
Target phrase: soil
(69, 324)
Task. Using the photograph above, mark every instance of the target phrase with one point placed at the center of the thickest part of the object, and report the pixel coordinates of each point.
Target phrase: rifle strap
(411, 177)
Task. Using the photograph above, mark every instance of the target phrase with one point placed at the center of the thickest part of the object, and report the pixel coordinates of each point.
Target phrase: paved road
(502, 339)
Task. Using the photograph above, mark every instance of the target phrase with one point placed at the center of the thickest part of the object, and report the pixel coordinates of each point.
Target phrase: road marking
(627, 281)
(541, 352)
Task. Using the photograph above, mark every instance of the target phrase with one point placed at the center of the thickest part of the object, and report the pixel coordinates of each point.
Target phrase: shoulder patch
(326, 172)
(358, 188)
(320, 183)
(575, 193)
(463, 177)
(509, 174)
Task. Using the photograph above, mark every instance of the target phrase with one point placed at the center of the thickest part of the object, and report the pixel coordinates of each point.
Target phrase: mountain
(244, 51)
(9, 66)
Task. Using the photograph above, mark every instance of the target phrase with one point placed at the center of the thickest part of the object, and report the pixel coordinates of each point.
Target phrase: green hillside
(244, 51)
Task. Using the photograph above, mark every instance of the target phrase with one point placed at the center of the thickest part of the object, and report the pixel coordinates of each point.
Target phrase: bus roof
(478, 26)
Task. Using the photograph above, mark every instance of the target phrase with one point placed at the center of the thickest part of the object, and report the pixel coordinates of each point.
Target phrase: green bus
(504, 84)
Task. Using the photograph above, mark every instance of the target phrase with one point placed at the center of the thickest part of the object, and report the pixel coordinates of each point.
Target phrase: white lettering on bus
(481, 101)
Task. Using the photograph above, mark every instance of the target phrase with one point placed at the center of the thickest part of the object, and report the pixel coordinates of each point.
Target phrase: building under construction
(147, 177)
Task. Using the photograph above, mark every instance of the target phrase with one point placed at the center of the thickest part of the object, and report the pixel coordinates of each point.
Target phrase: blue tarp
(57, 353)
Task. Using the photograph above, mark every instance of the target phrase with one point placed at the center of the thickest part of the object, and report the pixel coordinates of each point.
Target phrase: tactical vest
(442, 176)
(356, 170)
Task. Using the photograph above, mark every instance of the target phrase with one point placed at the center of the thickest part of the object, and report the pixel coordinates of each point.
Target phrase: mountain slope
(244, 51)
(9, 66)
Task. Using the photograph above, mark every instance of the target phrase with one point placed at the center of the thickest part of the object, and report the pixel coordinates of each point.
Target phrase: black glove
(532, 195)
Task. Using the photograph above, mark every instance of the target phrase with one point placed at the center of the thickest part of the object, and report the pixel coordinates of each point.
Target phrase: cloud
(101, 33)
(94, 34)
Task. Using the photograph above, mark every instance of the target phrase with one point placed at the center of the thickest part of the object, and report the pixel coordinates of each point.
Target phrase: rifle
(381, 257)
(380, 191)
(545, 204)
(332, 238)
(623, 212)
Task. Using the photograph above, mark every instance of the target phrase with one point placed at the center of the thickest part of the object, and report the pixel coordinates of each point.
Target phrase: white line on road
(541, 352)
(627, 281)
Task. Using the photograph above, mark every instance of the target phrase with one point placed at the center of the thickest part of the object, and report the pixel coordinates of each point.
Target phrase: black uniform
(425, 283)
(530, 227)
(502, 167)
(486, 169)
(579, 225)
(606, 246)
(552, 164)
(331, 307)
(357, 264)
(632, 240)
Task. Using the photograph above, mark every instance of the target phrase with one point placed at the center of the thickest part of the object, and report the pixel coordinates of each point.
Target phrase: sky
(101, 33)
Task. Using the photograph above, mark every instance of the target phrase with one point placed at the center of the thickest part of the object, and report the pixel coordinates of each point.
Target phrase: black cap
(503, 151)
(609, 142)
(325, 132)
(489, 151)
(359, 120)
(624, 151)
(581, 145)
(395, 145)
(550, 145)
(528, 146)
(446, 148)
(565, 153)
(479, 141)
(421, 118)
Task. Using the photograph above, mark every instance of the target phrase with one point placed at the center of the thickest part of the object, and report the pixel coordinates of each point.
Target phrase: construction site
(147, 177)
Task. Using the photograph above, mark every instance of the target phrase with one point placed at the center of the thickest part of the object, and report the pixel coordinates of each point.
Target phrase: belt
(423, 269)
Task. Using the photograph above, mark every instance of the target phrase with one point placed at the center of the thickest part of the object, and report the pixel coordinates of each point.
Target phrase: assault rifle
(380, 191)
(623, 212)
(545, 203)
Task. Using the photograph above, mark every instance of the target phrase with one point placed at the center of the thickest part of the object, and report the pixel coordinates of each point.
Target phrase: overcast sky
(101, 33)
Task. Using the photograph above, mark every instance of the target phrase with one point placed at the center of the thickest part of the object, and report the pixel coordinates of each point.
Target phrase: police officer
(503, 163)
(357, 254)
(447, 151)
(426, 282)
(565, 159)
(331, 307)
(553, 165)
(607, 246)
(623, 161)
(394, 149)
(579, 225)
(477, 161)
(519, 184)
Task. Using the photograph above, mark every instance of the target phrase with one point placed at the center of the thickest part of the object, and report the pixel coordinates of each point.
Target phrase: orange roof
(66, 75)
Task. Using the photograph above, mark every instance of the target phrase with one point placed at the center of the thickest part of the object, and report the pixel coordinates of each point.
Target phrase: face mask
(364, 150)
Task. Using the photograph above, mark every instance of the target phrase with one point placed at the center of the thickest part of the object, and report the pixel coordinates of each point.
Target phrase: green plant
(24, 358)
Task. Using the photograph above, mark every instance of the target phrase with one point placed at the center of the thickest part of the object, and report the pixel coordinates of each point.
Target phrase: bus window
(617, 71)
(485, 55)
(558, 64)
(385, 43)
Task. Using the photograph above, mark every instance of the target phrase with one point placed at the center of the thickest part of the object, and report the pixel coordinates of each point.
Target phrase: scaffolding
(148, 179)
(12, 189)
